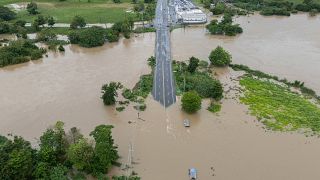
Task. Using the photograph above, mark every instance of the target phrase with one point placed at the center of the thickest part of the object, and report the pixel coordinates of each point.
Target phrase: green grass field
(97, 11)
(279, 108)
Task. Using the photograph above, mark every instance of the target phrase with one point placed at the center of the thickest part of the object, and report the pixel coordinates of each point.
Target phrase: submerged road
(163, 81)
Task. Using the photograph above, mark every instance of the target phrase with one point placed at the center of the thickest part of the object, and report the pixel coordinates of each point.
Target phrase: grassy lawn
(97, 11)
(279, 108)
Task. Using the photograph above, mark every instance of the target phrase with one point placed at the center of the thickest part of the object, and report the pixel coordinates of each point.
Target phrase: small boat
(192, 174)
(186, 123)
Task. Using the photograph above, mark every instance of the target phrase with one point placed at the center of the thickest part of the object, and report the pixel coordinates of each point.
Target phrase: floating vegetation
(279, 108)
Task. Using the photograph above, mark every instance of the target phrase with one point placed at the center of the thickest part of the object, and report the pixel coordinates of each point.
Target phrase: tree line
(60, 155)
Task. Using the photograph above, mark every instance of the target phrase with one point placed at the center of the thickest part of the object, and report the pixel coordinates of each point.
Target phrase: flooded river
(230, 145)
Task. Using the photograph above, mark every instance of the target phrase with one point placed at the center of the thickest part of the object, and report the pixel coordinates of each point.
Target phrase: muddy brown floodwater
(225, 146)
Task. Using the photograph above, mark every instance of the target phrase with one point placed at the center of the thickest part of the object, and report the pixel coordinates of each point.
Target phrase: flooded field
(227, 146)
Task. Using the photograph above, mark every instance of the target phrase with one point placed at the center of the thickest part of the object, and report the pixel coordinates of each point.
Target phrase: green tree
(139, 7)
(105, 152)
(204, 85)
(193, 64)
(6, 14)
(51, 21)
(219, 8)
(307, 1)
(58, 173)
(109, 92)
(17, 158)
(32, 8)
(77, 22)
(20, 23)
(227, 18)
(191, 102)
(41, 20)
(220, 57)
(46, 35)
(35, 26)
(81, 155)
(4, 27)
(92, 37)
(53, 144)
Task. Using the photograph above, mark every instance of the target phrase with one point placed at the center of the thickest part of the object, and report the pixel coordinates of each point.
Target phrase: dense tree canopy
(59, 155)
(225, 27)
(18, 52)
(220, 57)
(109, 92)
(105, 152)
(193, 64)
(191, 102)
(6, 14)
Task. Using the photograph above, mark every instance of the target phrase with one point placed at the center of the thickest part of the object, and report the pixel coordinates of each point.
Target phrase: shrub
(219, 8)
(191, 102)
(77, 22)
(74, 37)
(46, 35)
(214, 107)
(6, 14)
(193, 64)
(109, 92)
(225, 27)
(92, 37)
(220, 57)
(4, 27)
(18, 52)
(204, 85)
(32, 8)
(111, 35)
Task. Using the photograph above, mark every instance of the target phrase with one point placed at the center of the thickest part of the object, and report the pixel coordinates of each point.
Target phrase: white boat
(186, 123)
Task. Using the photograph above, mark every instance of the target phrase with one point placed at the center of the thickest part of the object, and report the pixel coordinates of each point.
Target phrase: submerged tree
(220, 57)
(191, 102)
(105, 152)
(110, 93)
(193, 64)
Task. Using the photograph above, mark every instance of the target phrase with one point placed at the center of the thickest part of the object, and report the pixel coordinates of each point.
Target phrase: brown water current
(225, 146)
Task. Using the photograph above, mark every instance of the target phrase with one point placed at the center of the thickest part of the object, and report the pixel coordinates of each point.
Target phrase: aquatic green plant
(279, 108)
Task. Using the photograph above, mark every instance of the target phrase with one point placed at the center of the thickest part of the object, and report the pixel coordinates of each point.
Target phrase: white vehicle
(186, 123)
(192, 174)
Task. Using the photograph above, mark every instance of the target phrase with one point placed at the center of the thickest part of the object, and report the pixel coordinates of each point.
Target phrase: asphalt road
(163, 82)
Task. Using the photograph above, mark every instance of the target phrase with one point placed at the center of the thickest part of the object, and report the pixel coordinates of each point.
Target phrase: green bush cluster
(201, 82)
(19, 51)
(90, 37)
(97, 36)
(220, 57)
(225, 27)
(191, 102)
(6, 14)
(60, 155)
